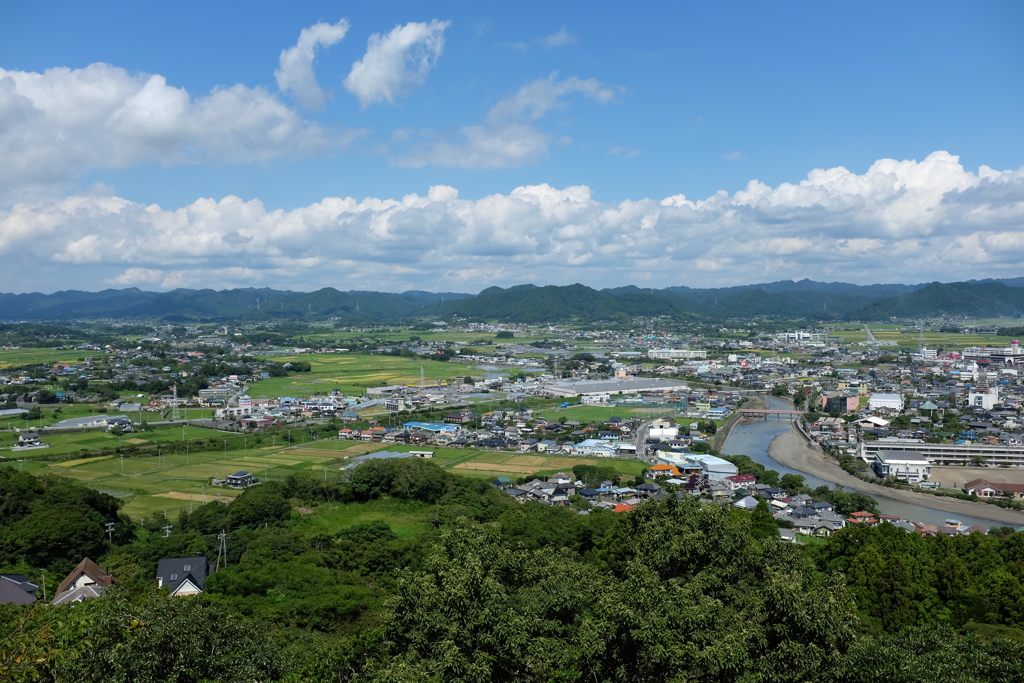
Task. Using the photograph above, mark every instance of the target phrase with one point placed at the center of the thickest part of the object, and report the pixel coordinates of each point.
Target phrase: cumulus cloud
(558, 39)
(907, 221)
(59, 123)
(397, 62)
(508, 137)
(295, 73)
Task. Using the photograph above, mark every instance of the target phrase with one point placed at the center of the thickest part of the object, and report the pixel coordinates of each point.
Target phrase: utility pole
(222, 549)
(167, 530)
(110, 531)
(44, 584)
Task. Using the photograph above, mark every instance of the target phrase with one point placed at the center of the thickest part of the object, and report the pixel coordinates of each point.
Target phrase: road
(870, 334)
(641, 440)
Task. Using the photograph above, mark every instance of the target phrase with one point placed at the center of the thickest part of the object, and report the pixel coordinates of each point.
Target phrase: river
(753, 440)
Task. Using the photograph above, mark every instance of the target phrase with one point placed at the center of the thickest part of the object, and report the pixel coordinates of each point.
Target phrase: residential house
(240, 480)
(739, 481)
(747, 503)
(183, 575)
(87, 580)
(648, 490)
(17, 589)
(561, 478)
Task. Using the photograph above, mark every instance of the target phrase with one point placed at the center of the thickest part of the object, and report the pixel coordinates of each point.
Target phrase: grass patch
(12, 358)
(82, 461)
(352, 374)
(408, 519)
(587, 414)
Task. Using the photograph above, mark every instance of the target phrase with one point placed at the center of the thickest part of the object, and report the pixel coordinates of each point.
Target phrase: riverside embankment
(777, 445)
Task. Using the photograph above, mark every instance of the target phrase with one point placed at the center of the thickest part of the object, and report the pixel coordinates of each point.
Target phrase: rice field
(13, 358)
(153, 483)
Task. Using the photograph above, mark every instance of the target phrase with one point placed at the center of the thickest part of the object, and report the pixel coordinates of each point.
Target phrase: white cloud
(732, 156)
(619, 150)
(558, 39)
(295, 73)
(508, 137)
(396, 63)
(57, 124)
(899, 221)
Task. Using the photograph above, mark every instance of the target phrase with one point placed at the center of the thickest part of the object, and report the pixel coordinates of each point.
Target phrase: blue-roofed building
(434, 427)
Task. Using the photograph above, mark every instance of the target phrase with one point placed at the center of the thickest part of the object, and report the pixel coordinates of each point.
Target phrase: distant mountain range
(535, 304)
(181, 305)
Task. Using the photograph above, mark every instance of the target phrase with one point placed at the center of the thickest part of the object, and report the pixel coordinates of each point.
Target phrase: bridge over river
(779, 414)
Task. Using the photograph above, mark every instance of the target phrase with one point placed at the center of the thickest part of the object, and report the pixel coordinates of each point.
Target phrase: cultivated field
(154, 483)
(352, 374)
(907, 337)
(586, 414)
(96, 439)
(492, 464)
(13, 358)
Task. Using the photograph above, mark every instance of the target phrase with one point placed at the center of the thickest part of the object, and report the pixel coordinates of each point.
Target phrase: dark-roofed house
(17, 589)
(240, 480)
(87, 580)
(648, 490)
(183, 575)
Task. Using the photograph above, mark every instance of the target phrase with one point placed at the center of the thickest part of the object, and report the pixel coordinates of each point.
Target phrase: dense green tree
(259, 506)
(762, 522)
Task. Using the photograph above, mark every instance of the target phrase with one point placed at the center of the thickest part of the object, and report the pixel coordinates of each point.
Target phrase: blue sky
(256, 144)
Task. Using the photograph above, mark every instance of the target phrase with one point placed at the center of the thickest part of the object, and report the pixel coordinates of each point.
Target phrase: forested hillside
(497, 591)
(533, 304)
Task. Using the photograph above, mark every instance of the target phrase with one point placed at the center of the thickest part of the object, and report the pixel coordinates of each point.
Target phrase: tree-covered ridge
(491, 590)
(208, 304)
(535, 304)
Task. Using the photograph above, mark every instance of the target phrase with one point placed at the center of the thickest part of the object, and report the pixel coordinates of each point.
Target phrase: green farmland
(13, 358)
(586, 414)
(909, 338)
(352, 374)
(152, 483)
(74, 442)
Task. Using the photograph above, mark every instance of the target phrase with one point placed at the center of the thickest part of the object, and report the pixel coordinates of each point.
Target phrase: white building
(885, 402)
(677, 354)
(713, 467)
(595, 447)
(983, 397)
(910, 466)
(663, 429)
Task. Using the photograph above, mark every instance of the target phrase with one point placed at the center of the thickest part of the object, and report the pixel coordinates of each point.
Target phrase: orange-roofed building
(664, 471)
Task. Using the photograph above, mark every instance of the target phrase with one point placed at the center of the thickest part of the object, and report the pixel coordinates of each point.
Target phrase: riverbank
(753, 403)
(792, 450)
